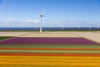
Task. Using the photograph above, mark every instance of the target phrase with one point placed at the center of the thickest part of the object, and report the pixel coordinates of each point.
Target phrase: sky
(67, 13)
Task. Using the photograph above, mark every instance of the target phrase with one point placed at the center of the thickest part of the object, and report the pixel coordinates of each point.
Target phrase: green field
(5, 37)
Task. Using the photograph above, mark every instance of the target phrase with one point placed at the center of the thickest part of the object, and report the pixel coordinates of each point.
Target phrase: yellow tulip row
(50, 61)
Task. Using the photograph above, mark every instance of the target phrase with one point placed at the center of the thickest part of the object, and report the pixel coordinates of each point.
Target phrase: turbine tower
(97, 27)
(90, 28)
(41, 15)
(78, 27)
(10, 26)
(62, 27)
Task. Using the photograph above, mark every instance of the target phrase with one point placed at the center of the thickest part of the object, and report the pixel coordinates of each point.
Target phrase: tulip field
(49, 52)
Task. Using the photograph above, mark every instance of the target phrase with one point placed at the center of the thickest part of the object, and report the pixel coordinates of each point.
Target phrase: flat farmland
(12, 33)
(49, 34)
(94, 36)
(49, 49)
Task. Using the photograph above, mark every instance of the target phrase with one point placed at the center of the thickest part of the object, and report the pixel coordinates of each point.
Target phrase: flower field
(49, 52)
(49, 40)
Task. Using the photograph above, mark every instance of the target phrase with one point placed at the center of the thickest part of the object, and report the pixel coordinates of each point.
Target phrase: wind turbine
(78, 27)
(41, 15)
(90, 27)
(10, 25)
(36, 21)
(98, 28)
(10, 22)
(62, 27)
(36, 28)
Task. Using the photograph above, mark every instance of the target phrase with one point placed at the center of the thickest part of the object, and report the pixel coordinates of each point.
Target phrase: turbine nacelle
(41, 15)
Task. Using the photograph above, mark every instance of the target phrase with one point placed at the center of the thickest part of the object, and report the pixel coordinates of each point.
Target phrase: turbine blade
(42, 12)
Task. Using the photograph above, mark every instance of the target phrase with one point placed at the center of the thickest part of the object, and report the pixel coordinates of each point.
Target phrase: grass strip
(4, 38)
(52, 46)
(51, 51)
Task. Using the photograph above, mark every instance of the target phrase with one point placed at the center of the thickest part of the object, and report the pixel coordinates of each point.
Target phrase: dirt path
(94, 36)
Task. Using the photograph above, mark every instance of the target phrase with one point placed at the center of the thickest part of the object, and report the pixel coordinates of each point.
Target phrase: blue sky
(69, 13)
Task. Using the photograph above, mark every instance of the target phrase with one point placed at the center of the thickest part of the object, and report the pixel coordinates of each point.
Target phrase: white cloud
(32, 21)
(48, 23)
(29, 21)
(10, 20)
(36, 21)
